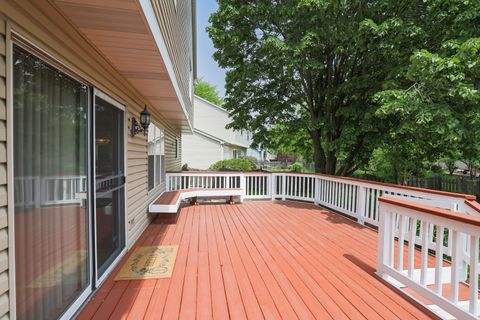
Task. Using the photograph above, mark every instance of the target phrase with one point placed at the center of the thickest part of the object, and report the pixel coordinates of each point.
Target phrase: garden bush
(296, 167)
(232, 164)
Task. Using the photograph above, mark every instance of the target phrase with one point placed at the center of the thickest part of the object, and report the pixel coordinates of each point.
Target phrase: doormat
(153, 262)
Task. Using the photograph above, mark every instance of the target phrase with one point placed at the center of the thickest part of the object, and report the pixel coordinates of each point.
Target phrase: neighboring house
(75, 184)
(211, 141)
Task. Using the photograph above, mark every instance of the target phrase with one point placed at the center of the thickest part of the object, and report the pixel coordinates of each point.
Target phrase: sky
(207, 68)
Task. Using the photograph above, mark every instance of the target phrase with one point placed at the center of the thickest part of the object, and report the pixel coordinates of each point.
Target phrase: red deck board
(335, 269)
(358, 259)
(259, 259)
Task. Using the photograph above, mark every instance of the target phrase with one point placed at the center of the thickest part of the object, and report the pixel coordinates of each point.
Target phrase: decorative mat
(153, 262)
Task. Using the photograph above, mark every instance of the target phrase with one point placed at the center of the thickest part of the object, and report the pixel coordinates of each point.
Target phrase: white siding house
(211, 141)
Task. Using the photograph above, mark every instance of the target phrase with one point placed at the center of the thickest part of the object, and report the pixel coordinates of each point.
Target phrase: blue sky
(207, 68)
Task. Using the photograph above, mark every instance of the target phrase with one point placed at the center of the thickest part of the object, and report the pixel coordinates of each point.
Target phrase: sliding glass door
(69, 188)
(50, 146)
(110, 181)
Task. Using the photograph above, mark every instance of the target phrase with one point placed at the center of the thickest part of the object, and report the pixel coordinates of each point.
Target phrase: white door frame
(28, 45)
(99, 280)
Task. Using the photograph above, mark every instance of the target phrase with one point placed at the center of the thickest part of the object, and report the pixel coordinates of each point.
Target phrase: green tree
(207, 91)
(436, 102)
(291, 139)
(316, 64)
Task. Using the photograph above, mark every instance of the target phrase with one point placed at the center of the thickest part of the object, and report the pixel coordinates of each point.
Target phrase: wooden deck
(257, 260)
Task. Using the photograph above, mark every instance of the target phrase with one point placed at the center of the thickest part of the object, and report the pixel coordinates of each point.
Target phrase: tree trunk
(331, 163)
(318, 153)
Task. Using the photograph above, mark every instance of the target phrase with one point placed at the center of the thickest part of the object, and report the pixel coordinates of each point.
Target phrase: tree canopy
(335, 69)
(207, 91)
(438, 96)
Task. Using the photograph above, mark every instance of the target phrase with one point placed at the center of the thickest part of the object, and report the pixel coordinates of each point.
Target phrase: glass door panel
(110, 183)
(50, 150)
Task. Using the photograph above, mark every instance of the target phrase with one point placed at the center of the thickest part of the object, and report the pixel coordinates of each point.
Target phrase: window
(156, 156)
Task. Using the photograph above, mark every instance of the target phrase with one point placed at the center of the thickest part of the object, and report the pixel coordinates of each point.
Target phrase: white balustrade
(401, 223)
(37, 191)
(354, 197)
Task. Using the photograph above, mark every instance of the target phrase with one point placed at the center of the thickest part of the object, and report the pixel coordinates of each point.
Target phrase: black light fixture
(136, 127)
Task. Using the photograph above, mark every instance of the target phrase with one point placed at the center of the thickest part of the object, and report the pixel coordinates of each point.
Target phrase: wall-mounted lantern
(136, 127)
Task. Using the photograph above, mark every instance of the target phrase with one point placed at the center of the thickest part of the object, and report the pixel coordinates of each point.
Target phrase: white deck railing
(362, 200)
(37, 191)
(354, 197)
(405, 222)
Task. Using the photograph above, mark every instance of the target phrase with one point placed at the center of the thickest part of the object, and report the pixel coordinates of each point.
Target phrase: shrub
(232, 164)
(436, 169)
(296, 167)
(252, 160)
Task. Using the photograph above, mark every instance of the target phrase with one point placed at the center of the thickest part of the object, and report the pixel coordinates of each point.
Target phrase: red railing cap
(461, 217)
(473, 204)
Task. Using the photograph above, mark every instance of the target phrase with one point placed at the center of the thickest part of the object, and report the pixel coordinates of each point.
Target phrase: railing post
(317, 191)
(384, 238)
(243, 186)
(284, 187)
(361, 195)
(462, 265)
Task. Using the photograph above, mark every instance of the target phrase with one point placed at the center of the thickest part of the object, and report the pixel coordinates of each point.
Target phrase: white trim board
(151, 18)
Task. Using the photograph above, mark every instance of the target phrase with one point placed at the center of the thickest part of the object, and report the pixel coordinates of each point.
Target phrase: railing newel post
(284, 187)
(383, 254)
(361, 194)
(243, 185)
(462, 266)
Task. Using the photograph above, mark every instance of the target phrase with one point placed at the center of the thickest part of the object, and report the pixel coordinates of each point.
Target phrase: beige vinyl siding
(4, 280)
(138, 195)
(43, 25)
(178, 39)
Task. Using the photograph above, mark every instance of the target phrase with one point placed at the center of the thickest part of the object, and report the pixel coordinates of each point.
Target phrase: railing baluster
(473, 307)
(456, 256)
(335, 190)
(391, 240)
(302, 181)
(369, 192)
(401, 241)
(440, 231)
(411, 246)
(424, 261)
